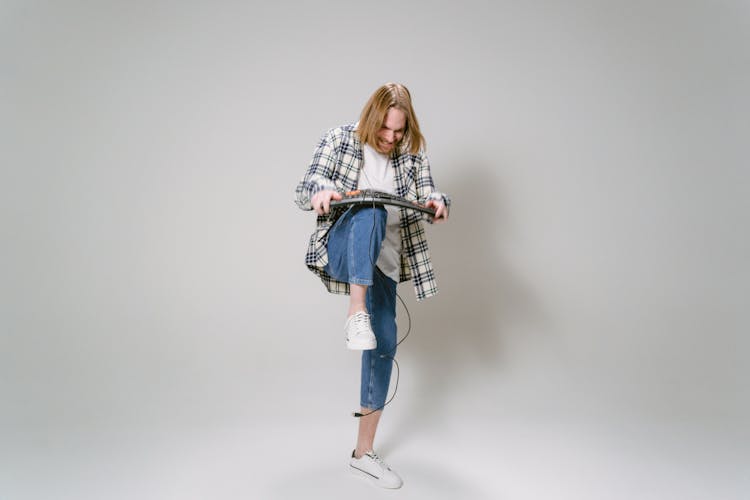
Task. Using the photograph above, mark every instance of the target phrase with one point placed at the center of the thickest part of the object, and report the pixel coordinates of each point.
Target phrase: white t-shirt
(377, 174)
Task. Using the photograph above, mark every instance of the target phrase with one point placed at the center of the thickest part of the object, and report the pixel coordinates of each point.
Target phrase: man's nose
(389, 135)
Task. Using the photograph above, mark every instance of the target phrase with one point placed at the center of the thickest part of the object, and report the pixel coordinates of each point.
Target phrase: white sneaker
(374, 468)
(359, 334)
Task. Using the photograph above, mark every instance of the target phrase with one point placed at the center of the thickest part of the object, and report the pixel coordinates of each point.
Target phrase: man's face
(391, 131)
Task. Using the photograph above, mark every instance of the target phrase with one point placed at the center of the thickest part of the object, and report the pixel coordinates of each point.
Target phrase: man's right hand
(321, 201)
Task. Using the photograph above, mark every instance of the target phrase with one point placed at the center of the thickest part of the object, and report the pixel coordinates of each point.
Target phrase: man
(366, 251)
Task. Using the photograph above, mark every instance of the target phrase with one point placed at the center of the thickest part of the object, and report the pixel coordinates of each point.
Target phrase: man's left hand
(441, 211)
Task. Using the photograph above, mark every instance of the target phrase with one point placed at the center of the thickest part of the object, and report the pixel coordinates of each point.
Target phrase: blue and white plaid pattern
(335, 165)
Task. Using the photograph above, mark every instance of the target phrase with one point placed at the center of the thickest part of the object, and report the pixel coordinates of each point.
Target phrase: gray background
(160, 337)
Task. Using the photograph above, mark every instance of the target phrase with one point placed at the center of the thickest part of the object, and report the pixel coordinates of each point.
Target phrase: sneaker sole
(362, 346)
(372, 479)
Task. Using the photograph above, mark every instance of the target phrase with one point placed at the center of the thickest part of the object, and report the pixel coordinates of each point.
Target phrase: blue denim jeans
(353, 247)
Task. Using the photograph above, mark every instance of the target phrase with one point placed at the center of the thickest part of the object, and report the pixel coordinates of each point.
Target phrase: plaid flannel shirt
(336, 165)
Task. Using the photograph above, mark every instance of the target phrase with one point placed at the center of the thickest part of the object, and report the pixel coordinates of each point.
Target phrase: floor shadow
(422, 481)
(482, 301)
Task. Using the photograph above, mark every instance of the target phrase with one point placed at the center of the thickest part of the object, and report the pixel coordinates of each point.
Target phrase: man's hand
(441, 211)
(321, 201)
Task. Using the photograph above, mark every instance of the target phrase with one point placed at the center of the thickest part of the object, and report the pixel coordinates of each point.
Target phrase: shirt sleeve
(318, 176)
(425, 185)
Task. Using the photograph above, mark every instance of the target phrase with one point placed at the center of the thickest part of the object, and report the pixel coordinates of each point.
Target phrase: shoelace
(377, 459)
(361, 322)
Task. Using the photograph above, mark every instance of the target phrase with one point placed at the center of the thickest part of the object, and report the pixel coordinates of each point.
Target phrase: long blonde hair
(390, 95)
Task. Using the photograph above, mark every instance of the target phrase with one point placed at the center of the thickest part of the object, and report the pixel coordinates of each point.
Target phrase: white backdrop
(161, 338)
